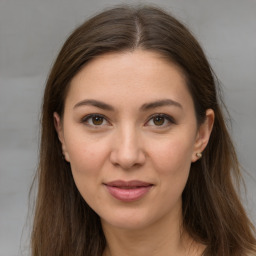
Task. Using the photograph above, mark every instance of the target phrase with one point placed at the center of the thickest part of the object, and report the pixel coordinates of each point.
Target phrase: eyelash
(167, 118)
(86, 119)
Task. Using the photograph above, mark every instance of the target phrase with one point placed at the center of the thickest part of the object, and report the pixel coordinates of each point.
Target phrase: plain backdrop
(31, 34)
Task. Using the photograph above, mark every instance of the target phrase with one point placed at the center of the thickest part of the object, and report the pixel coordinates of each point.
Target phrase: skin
(130, 143)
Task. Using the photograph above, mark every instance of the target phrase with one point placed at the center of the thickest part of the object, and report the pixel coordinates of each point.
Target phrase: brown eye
(158, 120)
(94, 120)
(97, 120)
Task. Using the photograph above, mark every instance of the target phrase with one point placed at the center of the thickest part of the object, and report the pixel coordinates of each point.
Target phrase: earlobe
(203, 135)
(59, 129)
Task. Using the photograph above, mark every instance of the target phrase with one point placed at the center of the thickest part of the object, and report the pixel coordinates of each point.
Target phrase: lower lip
(128, 194)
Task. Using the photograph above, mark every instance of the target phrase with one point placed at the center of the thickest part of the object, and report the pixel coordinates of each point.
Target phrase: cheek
(87, 160)
(172, 156)
(172, 161)
(86, 156)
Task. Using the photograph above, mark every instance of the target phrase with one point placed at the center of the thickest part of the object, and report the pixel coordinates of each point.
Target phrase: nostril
(127, 160)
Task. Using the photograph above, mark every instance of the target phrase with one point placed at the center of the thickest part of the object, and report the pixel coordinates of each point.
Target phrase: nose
(127, 151)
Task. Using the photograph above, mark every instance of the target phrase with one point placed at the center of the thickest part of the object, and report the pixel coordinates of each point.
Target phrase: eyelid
(169, 118)
(85, 119)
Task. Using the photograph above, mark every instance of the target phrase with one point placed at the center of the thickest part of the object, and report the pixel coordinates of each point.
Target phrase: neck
(165, 237)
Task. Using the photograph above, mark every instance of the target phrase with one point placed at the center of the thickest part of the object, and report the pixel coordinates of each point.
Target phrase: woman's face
(130, 134)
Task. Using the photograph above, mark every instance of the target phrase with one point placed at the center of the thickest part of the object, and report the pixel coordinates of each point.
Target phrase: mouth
(128, 191)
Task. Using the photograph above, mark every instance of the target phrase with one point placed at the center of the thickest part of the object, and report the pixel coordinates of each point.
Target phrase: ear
(59, 129)
(203, 135)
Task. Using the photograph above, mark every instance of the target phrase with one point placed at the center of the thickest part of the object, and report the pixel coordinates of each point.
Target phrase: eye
(160, 120)
(95, 120)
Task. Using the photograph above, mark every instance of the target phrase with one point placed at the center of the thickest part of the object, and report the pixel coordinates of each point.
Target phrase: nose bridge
(128, 139)
(127, 151)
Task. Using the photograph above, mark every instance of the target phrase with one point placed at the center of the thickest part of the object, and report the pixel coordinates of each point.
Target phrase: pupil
(158, 120)
(97, 120)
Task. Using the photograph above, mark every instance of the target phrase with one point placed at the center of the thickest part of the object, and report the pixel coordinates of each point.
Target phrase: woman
(135, 155)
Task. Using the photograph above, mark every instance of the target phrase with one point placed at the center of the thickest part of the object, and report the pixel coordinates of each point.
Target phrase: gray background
(32, 32)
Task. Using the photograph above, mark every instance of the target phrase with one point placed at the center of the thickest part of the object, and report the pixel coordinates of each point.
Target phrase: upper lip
(131, 183)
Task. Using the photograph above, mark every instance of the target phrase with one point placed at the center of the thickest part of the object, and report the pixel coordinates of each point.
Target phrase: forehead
(129, 76)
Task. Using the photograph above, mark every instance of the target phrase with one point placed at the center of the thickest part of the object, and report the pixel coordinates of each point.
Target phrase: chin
(134, 224)
(129, 219)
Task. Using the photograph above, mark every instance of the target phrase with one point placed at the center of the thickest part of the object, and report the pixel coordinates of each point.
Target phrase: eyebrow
(144, 107)
(96, 103)
(160, 103)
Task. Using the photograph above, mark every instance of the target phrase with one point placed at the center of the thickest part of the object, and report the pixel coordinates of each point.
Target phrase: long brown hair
(64, 224)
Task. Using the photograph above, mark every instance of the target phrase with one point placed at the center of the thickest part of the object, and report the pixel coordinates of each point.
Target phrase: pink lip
(128, 190)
